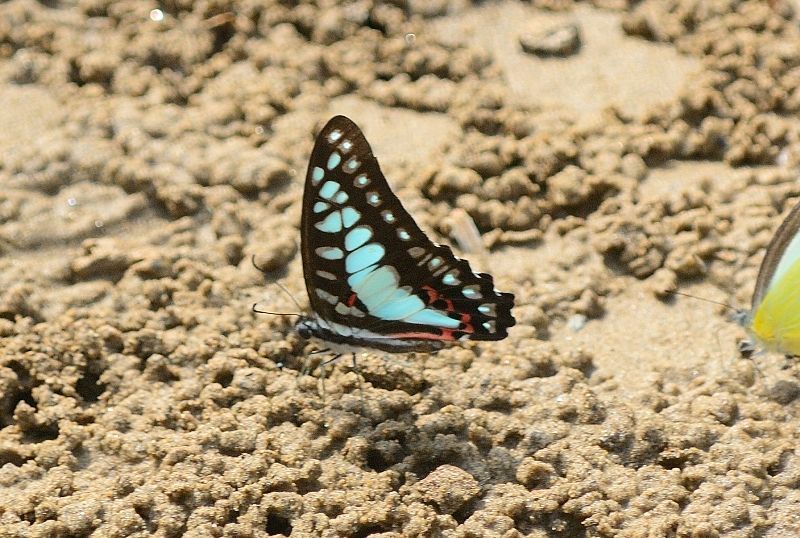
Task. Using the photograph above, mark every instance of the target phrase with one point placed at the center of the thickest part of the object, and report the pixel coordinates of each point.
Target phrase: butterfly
(774, 317)
(373, 277)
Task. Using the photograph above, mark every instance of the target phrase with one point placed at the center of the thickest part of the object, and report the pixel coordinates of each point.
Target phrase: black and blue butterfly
(373, 277)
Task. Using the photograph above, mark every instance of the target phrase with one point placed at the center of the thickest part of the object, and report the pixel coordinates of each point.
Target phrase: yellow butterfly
(774, 317)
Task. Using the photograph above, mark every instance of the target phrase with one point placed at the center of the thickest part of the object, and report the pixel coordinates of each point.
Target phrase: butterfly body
(373, 277)
(774, 318)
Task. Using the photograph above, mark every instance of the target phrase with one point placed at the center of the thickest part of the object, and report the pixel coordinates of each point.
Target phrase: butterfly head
(306, 327)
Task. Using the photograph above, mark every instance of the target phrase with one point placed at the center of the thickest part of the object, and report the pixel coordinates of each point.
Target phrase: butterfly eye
(304, 330)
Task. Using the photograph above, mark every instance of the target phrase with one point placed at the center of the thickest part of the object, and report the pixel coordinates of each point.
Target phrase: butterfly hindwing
(372, 275)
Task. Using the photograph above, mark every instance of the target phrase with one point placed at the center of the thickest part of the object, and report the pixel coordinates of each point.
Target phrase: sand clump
(149, 155)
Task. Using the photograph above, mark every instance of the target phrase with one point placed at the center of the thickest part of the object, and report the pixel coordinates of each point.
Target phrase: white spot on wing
(351, 165)
(334, 160)
(330, 253)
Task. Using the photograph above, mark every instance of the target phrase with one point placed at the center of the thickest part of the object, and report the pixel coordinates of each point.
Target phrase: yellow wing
(776, 321)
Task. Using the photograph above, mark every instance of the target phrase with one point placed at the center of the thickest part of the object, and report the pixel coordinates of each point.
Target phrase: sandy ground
(146, 156)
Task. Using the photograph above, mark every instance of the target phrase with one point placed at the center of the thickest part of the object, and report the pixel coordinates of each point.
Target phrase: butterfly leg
(360, 382)
(322, 375)
(307, 364)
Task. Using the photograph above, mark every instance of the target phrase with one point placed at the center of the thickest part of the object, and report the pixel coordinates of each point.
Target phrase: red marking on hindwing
(447, 335)
(433, 295)
(351, 300)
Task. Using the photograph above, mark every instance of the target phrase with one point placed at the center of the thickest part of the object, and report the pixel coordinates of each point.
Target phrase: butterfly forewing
(370, 271)
(785, 241)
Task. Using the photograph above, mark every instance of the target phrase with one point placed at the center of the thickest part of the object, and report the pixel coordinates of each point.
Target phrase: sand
(146, 156)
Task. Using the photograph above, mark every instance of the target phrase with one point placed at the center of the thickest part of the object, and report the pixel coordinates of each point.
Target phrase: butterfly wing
(775, 316)
(782, 252)
(371, 273)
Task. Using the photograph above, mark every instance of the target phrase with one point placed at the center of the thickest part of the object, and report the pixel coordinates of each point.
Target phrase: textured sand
(143, 162)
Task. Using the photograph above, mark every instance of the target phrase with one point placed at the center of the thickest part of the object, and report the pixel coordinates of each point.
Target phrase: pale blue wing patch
(378, 286)
(329, 188)
(333, 160)
(316, 175)
(330, 224)
(351, 165)
(472, 292)
(341, 197)
(319, 207)
(399, 307)
(350, 216)
(354, 279)
(363, 257)
(487, 309)
(450, 278)
(432, 317)
(357, 237)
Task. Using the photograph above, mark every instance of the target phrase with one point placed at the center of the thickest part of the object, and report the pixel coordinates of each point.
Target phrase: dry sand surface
(145, 156)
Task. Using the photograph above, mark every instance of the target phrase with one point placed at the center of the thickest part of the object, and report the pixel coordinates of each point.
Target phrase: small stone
(633, 166)
(448, 488)
(662, 283)
(534, 474)
(576, 322)
(784, 391)
(560, 40)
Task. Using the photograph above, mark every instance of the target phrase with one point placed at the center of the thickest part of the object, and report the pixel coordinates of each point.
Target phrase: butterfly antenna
(257, 311)
(281, 286)
(287, 292)
(676, 292)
